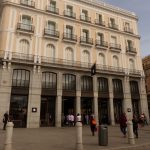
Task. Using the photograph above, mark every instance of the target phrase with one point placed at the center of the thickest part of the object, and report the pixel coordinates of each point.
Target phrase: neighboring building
(146, 66)
(47, 50)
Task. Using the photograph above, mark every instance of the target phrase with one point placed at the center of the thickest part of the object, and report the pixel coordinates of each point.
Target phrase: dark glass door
(135, 107)
(47, 115)
(117, 109)
(18, 110)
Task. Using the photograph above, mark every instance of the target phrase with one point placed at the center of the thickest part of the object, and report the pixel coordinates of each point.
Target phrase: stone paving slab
(65, 138)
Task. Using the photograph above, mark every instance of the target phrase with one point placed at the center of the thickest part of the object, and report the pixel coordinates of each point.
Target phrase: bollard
(8, 138)
(79, 143)
(130, 132)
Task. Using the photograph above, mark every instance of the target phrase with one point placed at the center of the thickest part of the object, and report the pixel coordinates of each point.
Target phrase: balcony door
(26, 22)
(69, 31)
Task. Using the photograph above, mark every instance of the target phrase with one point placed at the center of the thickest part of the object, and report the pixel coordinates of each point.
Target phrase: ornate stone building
(47, 48)
(146, 66)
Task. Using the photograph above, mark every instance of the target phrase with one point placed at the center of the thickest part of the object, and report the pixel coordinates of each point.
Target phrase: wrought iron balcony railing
(51, 33)
(85, 18)
(131, 49)
(28, 3)
(70, 37)
(101, 43)
(99, 22)
(128, 30)
(115, 46)
(52, 9)
(86, 40)
(25, 27)
(113, 26)
(69, 14)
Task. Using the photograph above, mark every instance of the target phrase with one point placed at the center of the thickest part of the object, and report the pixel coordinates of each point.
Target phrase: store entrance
(18, 110)
(117, 109)
(47, 115)
(135, 107)
(103, 111)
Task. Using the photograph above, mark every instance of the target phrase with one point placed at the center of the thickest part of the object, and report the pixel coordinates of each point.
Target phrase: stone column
(143, 99)
(58, 113)
(78, 94)
(111, 104)
(34, 100)
(5, 91)
(127, 103)
(95, 98)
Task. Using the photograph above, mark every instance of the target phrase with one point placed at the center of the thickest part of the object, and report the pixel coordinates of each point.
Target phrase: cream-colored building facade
(47, 48)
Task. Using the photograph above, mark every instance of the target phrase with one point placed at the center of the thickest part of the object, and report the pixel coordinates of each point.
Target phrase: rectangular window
(113, 40)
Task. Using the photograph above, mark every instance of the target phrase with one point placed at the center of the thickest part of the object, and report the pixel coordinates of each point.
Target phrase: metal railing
(128, 30)
(115, 46)
(28, 3)
(25, 27)
(131, 49)
(86, 40)
(101, 43)
(113, 26)
(85, 18)
(52, 9)
(52, 33)
(69, 14)
(99, 22)
(68, 36)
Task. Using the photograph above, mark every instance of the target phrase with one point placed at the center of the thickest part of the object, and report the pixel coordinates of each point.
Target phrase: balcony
(53, 10)
(128, 30)
(115, 47)
(113, 26)
(99, 22)
(69, 14)
(27, 28)
(135, 72)
(85, 18)
(69, 37)
(101, 44)
(28, 3)
(51, 33)
(86, 41)
(131, 50)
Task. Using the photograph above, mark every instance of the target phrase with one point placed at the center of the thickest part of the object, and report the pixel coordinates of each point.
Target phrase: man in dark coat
(135, 125)
(5, 120)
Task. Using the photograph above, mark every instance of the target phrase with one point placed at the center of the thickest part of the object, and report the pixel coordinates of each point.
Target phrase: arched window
(49, 80)
(86, 56)
(86, 83)
(69, 54)
(131, 64)
(69, 82)
(50, 51)
(102, 84)
(117, 86)
(21, 78)
(24, 46)
(101, 59)
(115, 61)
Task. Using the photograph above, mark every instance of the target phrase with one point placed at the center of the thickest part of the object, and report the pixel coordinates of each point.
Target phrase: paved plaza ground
(65, 138)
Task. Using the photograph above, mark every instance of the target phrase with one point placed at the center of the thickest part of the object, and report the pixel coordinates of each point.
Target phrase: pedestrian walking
(135, 122)
(5, 120)
(93, 125)
(123, 124)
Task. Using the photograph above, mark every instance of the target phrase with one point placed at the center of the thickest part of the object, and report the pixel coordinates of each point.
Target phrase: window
(50, 51)
(86, 83)
(26, 23)
(134, 87)
(24, 46)
(112, 21)
(69, 31)
(100, 37)
(53, 5)
(117, 86)
(101, 59)
(85, 56)
(69, 54)
(69, 82)
(51, 26)
(84, 14)
(115, 61)
(21, 78)
(103, 84)
(113, 40)
(129, 44)
(49, 80)
(69, 10)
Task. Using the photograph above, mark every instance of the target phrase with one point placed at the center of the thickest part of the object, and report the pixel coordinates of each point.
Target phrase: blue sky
(142, 10)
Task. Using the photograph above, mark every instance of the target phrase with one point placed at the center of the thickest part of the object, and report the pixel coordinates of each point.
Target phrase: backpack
(93, 122)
